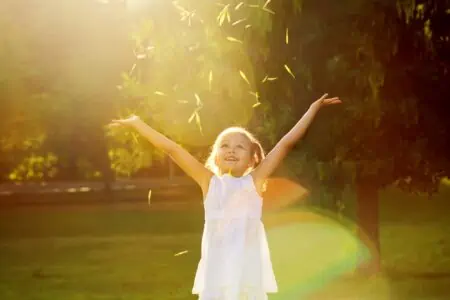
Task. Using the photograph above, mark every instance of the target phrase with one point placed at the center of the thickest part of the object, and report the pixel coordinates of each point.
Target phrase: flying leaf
(181, 253)
(287, 36)
(244, 77)
(248, 26)
(223, 14)
(238, 21)
(254, 94)
(232, 39)
(160, 93)
(267, 78)
(268, 10)
(135, 137)
(267, 3)
(141, 56)
(221, 19)
(253, 5)
(239, 5)
(192, 116)
(210, 79)
(132, 69)
(257, 98)
(289, 71)
(199, 102)
(199, 124)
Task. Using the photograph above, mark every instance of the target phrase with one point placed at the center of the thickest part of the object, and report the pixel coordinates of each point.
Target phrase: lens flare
(310, 251)
(281, 193)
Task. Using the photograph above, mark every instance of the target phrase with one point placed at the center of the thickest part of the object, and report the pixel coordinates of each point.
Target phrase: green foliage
(200, 66)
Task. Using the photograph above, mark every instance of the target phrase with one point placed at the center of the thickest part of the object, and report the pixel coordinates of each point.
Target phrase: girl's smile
(234, 154)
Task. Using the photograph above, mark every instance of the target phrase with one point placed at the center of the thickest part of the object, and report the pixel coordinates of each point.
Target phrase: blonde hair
(256, 148)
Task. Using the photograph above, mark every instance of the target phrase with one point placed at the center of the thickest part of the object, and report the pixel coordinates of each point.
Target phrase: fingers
(333, 102)
(323, 97)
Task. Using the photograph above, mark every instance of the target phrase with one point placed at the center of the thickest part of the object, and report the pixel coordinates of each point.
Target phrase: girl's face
(234, 154)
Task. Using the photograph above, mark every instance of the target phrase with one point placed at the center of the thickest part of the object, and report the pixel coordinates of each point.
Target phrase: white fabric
(235, 260)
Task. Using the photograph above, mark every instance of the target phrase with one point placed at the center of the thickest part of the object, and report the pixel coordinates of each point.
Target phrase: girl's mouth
(231, 158)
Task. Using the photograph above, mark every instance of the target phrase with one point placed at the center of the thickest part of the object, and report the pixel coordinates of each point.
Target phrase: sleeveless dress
(235, 260)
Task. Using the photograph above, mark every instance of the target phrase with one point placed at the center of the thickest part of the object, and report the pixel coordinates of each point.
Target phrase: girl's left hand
(324, 101)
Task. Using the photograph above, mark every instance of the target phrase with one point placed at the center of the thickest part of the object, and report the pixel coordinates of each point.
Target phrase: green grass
(97, 254)
(128, 252)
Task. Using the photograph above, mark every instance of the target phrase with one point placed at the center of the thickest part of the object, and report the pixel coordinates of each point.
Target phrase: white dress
(235, 260)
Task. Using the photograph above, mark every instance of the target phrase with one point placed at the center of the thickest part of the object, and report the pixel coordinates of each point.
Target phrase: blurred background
(358, 210)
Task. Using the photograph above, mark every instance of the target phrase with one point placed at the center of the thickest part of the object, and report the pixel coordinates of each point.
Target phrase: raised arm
(279, 152)
(182, 158)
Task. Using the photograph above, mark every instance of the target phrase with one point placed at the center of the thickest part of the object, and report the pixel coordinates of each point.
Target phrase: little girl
(235, 260)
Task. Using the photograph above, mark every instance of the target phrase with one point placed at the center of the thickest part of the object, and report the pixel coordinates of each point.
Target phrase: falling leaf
(199, 102)
(289, 71)
(159, 93)
(267, 3)
(181, 253)
(135, 137)
(149, 196)
(287, 36)
(268, 10)
(232, 39)
(210, 79)
(238, 21)
(248, 26)
(197, 120)
(256, 104)
(192, 117)
(223, 13)
(132, 69)
(221, 19)
(244, 77)
(253, 5)
(239, 5)
(267, 78)
(254, 94)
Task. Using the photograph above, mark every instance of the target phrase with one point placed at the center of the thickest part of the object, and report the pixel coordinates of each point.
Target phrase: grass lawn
(136, 252)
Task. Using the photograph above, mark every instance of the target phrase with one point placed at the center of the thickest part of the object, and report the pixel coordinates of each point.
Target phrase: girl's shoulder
(206, 186)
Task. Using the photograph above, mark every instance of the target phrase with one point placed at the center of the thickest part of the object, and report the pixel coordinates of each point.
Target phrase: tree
(369, 53)
(193, 68)
(60, 80)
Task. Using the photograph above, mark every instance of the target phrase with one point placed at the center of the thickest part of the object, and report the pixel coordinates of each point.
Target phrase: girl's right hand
(130, 121)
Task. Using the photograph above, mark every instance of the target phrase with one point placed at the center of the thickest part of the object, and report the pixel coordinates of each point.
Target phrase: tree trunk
(367, 213)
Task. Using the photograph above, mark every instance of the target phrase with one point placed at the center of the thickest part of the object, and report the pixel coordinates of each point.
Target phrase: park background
(359, 209)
